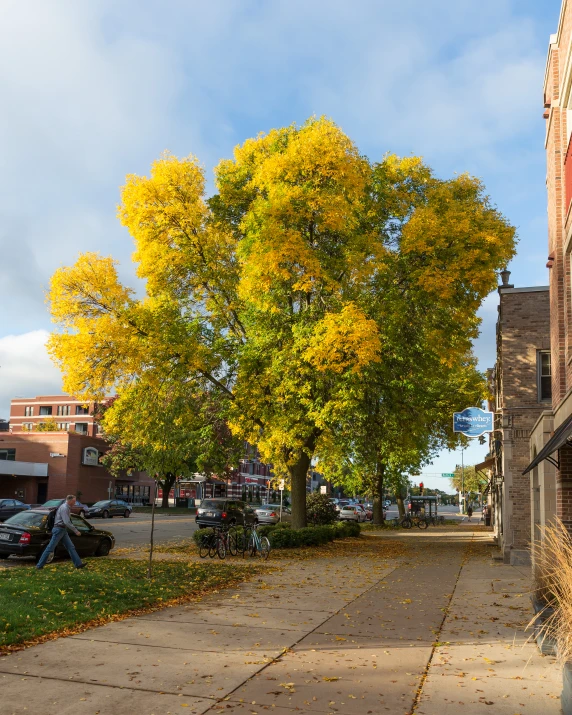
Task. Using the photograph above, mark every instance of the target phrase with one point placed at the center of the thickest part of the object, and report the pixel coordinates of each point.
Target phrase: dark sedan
(77, 508)
(27, 534)
(9, 507)
(218, 512)
(108, 508)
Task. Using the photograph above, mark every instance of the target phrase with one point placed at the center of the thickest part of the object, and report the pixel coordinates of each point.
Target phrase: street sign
(281, 487)
(323, 490)
(449, 475)
(473, 422)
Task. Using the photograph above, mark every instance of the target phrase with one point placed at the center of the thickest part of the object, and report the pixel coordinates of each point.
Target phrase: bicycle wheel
(406, 523)
(422, 523)
(232, 541)
(204, 546)
(221, 546)
(264, 550)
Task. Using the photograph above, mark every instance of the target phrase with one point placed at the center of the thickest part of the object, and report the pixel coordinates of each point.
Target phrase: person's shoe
(81, 566)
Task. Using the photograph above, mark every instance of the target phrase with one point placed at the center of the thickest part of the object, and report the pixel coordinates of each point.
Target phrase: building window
(81, 410)
(8, 455)
(64, 426)
(544, 377)
(63, 410)
(28, 411)
(81, 427)
(27, 426)
(45, 410)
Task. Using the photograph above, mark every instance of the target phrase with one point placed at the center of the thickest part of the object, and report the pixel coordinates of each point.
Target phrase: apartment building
(521, 391)
(551, 439)
(33, 414)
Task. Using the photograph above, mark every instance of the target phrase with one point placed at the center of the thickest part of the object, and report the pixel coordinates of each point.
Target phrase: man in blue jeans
(60, 533)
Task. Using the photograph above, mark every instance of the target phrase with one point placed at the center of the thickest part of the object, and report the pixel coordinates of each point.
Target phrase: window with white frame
(64, 426)
(544, 376)
(63, 410)
(29, 411)
(27, 426)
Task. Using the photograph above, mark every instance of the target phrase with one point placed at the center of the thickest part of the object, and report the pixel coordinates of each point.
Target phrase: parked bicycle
(256, 545)
(219, 542)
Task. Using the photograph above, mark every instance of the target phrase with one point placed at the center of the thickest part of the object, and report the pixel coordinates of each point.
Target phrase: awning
(487, 464)
(558, 440)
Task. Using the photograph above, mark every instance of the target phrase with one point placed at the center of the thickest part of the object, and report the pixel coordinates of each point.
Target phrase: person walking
(469, 512)
(62, 523)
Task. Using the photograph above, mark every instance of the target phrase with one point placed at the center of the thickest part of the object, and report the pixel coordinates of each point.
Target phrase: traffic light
(421, 488)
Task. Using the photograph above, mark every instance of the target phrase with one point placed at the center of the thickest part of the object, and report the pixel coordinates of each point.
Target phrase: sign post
(472, 422)
(281, 493)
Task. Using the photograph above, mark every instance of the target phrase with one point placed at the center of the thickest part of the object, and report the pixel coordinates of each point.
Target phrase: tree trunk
(150, 567)
(401, 507)
(378, 495)
(298, 475)
(167, 485)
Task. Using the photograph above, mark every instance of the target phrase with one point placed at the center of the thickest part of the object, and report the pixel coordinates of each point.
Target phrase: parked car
(216, 512)
(368, 508)
(387, 503)
(341, 503)
(77, 508)
(28, 534)
(108, 508)
(270, 513)
(352, 512)
(9, 507)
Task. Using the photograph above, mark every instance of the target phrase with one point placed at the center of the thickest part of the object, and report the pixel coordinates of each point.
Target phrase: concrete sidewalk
(437, 631)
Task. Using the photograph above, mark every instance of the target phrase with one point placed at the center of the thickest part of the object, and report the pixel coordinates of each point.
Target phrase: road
(449, 512)
(135, 530)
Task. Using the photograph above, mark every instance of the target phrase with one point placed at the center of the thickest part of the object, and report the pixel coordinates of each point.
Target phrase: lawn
(62, 599)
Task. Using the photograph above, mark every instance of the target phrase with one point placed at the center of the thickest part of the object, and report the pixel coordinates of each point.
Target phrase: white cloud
(25, 369)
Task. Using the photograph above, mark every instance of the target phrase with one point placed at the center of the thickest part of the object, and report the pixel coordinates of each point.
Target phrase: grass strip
(63, 600)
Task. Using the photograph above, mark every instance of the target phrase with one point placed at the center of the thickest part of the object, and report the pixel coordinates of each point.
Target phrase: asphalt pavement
(135, 531)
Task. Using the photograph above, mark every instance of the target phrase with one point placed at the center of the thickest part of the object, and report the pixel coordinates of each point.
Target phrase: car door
(85, 543)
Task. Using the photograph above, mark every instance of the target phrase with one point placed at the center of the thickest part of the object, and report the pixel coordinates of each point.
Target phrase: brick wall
(523, 329)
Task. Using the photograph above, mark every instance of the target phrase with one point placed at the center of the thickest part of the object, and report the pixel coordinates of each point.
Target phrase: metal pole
(464, 508)
(281, 493)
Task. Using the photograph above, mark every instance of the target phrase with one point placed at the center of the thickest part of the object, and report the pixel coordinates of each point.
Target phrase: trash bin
(179, 501)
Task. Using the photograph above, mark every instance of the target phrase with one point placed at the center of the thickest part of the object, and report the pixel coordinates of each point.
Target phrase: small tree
(320, 510)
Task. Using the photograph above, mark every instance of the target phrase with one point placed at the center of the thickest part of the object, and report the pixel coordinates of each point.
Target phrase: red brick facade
(27, 413)
(557, 112)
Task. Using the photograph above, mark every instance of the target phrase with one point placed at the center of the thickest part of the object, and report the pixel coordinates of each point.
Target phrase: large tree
(277, 292)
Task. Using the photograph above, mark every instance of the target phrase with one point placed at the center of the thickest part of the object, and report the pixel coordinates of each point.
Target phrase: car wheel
(126, 514)
(105, 515)
(104, 548)
(37, 557)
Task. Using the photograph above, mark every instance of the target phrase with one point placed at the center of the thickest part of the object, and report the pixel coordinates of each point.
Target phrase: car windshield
(53, 502)
(29, 519)
(211, 504)
(101, 503)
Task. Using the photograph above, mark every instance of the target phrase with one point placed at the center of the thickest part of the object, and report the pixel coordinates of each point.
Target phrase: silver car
(270, 513)
(352, 512)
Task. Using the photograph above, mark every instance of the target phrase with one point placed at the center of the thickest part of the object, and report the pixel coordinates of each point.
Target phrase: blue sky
(92, 91)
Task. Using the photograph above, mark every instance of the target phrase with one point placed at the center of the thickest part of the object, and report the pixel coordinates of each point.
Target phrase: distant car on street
(77, 508)
(225, 512)
(28, 534)
(107, 508)
(9, 507)
(270, 513)
(352, 512)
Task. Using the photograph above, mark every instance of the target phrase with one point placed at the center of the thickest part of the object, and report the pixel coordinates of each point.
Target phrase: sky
(93, 90)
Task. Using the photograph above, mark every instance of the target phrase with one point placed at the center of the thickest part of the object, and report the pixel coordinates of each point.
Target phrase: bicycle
(258, 545)
(214, 544)
(421, 522)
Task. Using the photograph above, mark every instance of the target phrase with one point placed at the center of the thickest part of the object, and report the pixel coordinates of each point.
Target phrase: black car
(28, 534)
(215, 512)
(9, 507)
(108, 508)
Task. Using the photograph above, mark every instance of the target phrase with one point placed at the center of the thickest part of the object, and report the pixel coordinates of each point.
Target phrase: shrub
(320, 510)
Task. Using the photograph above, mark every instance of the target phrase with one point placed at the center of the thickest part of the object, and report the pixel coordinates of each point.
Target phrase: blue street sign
(473, 422)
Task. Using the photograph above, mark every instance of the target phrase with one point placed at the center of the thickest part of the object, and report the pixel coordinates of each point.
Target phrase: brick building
(521, 393)
(27, 414)
(557, 426)
(38, 465)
